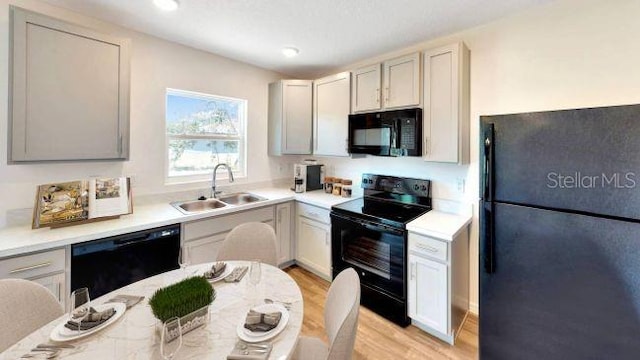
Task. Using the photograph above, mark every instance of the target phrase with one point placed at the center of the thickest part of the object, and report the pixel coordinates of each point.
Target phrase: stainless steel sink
(196, 206)
(240, 198)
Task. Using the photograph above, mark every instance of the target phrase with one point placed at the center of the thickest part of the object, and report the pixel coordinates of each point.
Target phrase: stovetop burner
(389, 200)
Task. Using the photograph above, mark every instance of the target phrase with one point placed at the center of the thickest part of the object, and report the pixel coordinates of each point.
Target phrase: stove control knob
(362, 273)
(424, 188)
(416, 187)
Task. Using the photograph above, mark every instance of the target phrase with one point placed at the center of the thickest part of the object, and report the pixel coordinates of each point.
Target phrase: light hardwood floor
(377, 337)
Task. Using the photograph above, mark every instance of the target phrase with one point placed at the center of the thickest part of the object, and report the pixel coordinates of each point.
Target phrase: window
(203, 131)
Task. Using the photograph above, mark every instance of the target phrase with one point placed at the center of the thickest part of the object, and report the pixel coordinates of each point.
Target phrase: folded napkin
(237, 274)
(261, 322)
(93, 319)
(128, 300)
(243, 351)
(216, 270)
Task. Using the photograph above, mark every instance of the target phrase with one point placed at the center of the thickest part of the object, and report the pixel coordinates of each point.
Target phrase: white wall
(567, 54)
(155, 65)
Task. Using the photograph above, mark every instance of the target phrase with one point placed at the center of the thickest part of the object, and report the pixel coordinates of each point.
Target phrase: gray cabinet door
(69, 91)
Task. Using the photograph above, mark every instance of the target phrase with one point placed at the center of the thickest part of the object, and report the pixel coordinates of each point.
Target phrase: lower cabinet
(46, 268)
(284, 229)
(428, 292)
(313, 245)
(203, 238)
(438, 290)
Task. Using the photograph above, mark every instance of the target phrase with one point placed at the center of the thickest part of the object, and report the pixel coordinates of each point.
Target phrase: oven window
(372, 137)
(371, 254)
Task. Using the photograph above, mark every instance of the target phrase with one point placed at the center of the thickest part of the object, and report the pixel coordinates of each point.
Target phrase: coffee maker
(307, 177)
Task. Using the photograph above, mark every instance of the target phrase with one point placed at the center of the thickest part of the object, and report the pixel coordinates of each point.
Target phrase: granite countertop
(21, 239)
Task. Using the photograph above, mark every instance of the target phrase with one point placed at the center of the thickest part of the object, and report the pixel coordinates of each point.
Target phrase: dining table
(136, 335)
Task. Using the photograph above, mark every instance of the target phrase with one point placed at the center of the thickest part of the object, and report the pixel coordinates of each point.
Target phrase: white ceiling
(329, 33)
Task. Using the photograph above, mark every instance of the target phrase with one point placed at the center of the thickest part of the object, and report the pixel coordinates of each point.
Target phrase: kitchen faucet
(213, 180)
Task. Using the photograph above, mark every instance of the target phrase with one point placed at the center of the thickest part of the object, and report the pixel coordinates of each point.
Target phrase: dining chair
(250, 241)
(24, 307)
(341, 312)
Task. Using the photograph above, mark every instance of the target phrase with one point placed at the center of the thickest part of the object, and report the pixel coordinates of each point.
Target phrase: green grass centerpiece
(182, 298)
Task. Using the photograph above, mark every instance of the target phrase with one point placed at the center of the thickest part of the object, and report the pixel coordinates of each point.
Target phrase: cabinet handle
(280, 216)
(413, 270)
(386, 99)
(426, 148)
(32, 267)
(312, 214)
(378, 96)
(427, 248)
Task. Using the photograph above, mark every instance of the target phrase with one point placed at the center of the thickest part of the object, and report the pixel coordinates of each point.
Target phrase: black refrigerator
(560, 235)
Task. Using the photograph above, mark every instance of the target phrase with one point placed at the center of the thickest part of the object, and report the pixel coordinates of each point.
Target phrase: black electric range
(369, 234)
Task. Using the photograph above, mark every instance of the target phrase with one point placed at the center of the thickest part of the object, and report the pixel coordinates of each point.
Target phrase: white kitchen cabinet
(56, 284)
(204, 237)
(365, 92)
(46, 268)
(401, 83)
(69, 91)
(331, 106)
(313, 240)
(438, 290)
(398, 87)
(290, 118)
(446, 104)
(428, 292)
(284, 229)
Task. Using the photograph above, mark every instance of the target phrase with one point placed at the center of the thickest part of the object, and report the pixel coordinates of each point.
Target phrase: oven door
(375, 251)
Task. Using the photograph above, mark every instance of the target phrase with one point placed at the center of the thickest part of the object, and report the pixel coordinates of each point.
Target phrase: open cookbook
(81, 200)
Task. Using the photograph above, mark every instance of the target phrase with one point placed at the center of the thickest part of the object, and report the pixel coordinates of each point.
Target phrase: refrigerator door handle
(489, 186)
(488, 195)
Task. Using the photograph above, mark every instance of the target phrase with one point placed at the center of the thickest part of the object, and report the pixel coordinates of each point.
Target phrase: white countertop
(438, 224)
(16, 240)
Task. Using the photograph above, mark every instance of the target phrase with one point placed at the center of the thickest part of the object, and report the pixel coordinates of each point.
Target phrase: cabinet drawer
(218, 224)
(314, 213)
(430, 247)
(33, 265)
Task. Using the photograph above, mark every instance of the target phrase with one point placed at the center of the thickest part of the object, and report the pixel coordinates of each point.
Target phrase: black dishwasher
(111, 263)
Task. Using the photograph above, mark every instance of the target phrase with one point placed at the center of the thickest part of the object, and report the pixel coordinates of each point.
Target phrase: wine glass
(79, 305)
(183, 258)
(171, 338)
(255, 274)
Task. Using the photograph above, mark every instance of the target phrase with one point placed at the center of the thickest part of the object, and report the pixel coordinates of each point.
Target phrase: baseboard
(474, 308)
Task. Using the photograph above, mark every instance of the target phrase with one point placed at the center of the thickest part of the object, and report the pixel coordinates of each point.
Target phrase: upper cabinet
(402, 82)
(69, 91)
(365, 95)
(331, 115)
(446, 104)
(396, 86)
(290, 128)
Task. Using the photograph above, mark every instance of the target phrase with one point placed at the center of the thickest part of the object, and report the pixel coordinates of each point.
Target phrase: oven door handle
(379, 227)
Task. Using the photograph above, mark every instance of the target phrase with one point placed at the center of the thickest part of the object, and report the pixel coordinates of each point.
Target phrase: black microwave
(386, 133)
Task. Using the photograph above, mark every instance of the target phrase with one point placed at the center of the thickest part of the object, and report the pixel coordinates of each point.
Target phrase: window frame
(241, 138)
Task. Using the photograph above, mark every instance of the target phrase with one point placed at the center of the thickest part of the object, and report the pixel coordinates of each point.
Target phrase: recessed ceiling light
(166, 5)
(290, 51)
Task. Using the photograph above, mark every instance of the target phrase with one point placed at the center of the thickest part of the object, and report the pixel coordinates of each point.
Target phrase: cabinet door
(402, 82)
(296, 116)
(314, 245)
(428, 293)
(331, 106)
(55, 284)
(69, 92)
(283, 231)
(446, 109)
(205, 249)
(365, 92)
